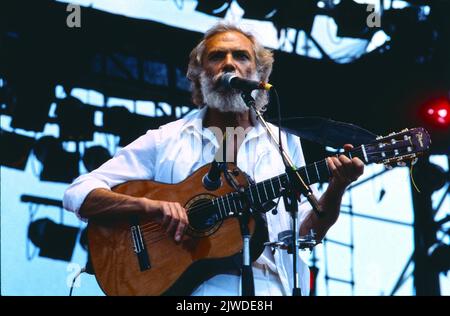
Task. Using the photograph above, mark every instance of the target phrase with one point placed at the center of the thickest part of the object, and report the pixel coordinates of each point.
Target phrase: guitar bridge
(139, 248)
(136, 235)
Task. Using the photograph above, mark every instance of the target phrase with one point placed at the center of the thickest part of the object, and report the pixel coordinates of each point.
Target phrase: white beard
(227, 100)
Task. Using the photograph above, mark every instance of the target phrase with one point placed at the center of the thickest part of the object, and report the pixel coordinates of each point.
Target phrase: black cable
(75, 278)
(277, 100)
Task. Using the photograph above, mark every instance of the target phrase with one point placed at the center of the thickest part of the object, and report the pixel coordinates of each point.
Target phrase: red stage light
(442, 113)
(439, 112)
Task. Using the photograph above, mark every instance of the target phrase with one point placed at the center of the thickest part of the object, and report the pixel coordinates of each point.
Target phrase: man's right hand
(172, 215)
(102, 202)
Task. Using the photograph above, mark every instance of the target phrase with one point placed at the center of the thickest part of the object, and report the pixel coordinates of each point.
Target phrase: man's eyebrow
(215, 51)
(242, 51)
(219, 50)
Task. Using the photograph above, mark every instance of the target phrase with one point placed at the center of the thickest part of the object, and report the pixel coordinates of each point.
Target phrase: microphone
(230, 80)
(211, 180)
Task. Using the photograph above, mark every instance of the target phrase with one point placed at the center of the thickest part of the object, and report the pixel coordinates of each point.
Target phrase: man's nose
(228, 64)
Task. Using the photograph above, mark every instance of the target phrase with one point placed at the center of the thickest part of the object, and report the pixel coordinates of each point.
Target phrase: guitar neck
(270, 189)
(312, 173)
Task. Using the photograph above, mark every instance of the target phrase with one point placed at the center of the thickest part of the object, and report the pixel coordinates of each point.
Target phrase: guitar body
(135, 256)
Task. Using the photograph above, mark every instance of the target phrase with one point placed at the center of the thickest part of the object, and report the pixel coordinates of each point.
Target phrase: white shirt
(174, 151)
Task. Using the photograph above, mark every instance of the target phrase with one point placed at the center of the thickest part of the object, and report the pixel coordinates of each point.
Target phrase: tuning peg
(401, 164)
(379, 137)
(405, 130)
(388, 166)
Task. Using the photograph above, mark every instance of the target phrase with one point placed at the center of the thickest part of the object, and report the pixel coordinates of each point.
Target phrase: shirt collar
(258, 129)
(194, 121)
(194, 124)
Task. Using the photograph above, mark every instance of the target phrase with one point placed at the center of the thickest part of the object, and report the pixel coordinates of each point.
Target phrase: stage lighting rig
(95, 156)
(15, 149)
(5, 95)
(58, 165)
(411, 32)
(440, 258)
(55, 241)
(213, 7)
(118, 120)
(351, 20)
(258, 10)
(75, 119)
(295, 14)
(32, 99)
(289, 13)
(435, 179)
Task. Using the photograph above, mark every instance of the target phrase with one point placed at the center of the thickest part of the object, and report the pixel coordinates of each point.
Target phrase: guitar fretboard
(259, 193)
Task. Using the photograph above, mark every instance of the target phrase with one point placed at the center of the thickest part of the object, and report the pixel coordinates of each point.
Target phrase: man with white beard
(174, 151)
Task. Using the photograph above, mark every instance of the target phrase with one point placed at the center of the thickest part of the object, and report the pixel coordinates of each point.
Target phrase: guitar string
(199, 208)
(156, 228)
(154, 233)
(251, 190)
(155, 240)
(254, 189)
(208, 204)
(150, 235)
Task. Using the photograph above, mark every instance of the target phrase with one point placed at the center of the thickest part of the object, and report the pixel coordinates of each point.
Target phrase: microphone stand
(291, 205)
(247, 281)
(295, 185)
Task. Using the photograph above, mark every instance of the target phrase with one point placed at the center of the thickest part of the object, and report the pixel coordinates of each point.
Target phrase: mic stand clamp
(285, 241)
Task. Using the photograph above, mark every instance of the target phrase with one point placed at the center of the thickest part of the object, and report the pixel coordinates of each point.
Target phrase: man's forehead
(227, 40)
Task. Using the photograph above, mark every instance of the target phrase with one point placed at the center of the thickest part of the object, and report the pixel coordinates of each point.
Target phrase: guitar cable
(83, 270)
(412, 177)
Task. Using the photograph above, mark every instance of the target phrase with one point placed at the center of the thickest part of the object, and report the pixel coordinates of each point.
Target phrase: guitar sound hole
(202, 220)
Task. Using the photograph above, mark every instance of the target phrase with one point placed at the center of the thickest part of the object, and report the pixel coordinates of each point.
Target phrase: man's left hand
(344, 170)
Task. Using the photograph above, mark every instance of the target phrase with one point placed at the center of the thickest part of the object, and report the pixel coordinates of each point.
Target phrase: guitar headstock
(399, 148)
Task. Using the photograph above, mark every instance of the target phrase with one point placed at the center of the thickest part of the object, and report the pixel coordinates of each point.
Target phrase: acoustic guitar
(135, 256)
